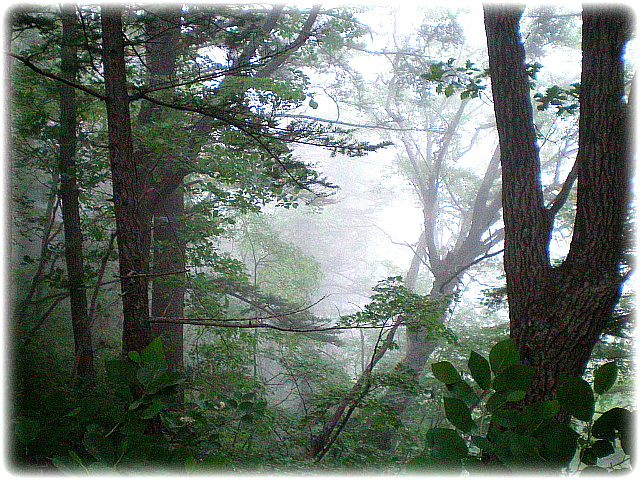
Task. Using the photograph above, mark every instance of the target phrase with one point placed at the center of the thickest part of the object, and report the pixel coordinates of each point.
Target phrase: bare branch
(469, 265)
(563, 195)
(228, 323)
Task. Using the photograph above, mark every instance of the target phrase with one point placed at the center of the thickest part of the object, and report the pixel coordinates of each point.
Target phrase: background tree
(70, 203)
(557, 313)
(130, 212)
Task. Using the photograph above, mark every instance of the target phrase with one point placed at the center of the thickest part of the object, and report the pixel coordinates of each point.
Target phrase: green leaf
(99, 446)
(508, 418)
(134, 356)
(450, 90)
(516, 395)
(463, 391)
(559, 442)
(497, 401)
(121, 371)
(504, 354)
(536, 414)
(576, 398)
(525, 449)
(604, 377)
(313, 104)
(446, 445)
(152, 410)
(445, 372)
(532, 415)
(458, 414)
(480, 370)
(68, 464)
(153, 352)
(155, 378)
(516, 377)
(602, 448)
(612, 422)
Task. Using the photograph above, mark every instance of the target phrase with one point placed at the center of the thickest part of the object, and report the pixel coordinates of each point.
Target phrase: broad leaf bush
(492, 431)
(123, 431)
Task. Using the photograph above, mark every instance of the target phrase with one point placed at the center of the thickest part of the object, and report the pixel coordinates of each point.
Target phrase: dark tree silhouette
(557, 313)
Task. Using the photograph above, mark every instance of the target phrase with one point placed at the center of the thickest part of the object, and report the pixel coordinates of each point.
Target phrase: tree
(557, 312)
(70, 203)
(429, 130)
(162, 29)
(131, 225)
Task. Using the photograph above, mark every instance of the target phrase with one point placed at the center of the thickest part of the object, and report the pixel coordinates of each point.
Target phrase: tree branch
(563, 194)
(57, 78)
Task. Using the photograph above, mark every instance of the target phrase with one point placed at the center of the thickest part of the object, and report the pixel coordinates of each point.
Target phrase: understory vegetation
(269, 239)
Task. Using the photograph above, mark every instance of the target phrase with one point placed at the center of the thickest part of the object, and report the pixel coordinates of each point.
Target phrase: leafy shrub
(120, 430)
(490, 431)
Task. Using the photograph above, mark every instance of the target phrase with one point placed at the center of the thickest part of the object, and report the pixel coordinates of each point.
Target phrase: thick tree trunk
(130, 213)
(557, 313)
(168, 287)
(84, 371)
(168, 284)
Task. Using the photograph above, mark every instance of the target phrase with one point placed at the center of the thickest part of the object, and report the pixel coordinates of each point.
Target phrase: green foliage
(392, 300)
(121, 430)
(492, 429)
(469, 80)
(565, 100)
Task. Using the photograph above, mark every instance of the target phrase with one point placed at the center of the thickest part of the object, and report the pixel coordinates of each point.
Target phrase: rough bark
(168, 286)
(129, 211)
(557, 313)
(84, 370)
(168, 258)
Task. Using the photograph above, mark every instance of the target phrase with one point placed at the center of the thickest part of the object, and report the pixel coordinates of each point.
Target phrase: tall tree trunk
(557, 313)
(84, 371)
(131, 222)
(168, 285)
(165, 197)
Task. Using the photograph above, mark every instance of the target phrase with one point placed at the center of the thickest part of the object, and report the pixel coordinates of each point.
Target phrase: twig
(57, 78)
(323, 442)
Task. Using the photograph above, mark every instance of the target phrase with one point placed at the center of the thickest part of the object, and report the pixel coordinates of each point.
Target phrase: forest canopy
(274, 237)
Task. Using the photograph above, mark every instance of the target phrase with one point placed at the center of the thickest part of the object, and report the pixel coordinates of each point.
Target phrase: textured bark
(167, 287)
(130, 213)
(557, 313)
(84, 370)
(167, 293)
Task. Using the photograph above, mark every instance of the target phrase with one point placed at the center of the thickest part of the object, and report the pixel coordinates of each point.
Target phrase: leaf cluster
(564, 100)
(469, 80)
(519, 438)
(391, 301)
(119, 432)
